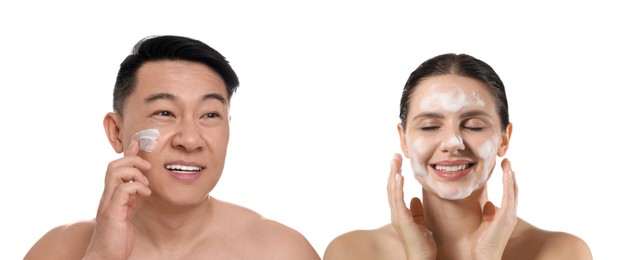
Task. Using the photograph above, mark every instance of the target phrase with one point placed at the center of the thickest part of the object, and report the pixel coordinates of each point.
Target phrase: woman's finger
(395, 188)
(417, 210)
(510, 191)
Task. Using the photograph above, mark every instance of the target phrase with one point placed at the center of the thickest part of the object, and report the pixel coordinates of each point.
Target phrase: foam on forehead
(451, 100)
(147, 139)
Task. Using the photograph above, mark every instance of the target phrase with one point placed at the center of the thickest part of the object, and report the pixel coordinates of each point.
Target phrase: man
(156, 202)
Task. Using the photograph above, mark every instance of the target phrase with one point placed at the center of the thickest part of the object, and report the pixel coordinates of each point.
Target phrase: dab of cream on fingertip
(146, 139)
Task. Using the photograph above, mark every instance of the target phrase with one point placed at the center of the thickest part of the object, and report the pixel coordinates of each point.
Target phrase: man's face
(188, 104)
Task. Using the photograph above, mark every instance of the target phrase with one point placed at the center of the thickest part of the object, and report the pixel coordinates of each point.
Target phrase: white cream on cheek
(146, 139)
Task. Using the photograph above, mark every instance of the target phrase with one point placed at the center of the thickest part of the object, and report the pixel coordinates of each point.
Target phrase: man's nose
(188, 136)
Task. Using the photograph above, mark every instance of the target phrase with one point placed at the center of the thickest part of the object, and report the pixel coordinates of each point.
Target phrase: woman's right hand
(113, 236)
(415, 237)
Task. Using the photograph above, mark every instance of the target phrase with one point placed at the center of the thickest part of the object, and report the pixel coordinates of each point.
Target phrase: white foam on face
(489, 148)
(451, 101)
(454, 141)
(417, 151)
(488, 153)
(147, 139)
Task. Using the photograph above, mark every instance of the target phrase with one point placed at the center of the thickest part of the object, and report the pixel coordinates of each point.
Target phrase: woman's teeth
(452, 168)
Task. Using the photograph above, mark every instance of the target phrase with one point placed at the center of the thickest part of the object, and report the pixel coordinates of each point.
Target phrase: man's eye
(213, 115)
(163, 113)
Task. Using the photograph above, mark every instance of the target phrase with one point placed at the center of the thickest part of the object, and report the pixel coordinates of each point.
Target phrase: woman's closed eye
(429, 128)
(475, 129)
(474, 125)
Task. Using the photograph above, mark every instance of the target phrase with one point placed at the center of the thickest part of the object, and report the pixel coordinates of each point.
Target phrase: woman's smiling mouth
(451, 172)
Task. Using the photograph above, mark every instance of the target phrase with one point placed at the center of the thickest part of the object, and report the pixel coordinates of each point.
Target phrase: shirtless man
(171, 121)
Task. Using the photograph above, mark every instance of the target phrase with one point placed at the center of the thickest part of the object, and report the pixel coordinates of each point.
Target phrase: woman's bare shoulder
(380, 243)
(531, 242)
(68, 241)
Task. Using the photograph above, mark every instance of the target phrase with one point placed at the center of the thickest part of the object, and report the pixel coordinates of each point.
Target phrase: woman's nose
(454, 142)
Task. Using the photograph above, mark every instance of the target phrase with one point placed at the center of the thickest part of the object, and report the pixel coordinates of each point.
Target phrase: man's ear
(505, 141)
(403, 140)
(112, 124)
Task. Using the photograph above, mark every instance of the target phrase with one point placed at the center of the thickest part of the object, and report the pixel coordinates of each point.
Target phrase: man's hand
(113, 236)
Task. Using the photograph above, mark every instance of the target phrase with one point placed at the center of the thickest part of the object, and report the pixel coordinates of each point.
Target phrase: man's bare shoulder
(68, 241)
(380, 243)
(530, 242)
(265, 236)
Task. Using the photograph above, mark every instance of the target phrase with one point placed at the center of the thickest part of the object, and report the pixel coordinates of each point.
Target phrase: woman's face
(453, 135)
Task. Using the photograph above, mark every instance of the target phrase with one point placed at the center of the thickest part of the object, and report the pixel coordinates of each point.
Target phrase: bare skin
(525, 242)
(233, 232)
(452, 140)
(152, 207)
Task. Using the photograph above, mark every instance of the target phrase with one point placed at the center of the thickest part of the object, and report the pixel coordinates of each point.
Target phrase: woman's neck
(453, 221)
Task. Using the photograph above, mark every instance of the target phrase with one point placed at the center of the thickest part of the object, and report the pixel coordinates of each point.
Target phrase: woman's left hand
(498, 224)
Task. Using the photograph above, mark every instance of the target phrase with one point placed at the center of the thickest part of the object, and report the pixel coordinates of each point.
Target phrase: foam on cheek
(147, 139)
(488, 149)
(487, 152)
(451, 101)
(418, 150)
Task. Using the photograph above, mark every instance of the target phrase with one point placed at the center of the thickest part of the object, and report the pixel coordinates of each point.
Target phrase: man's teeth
(453, 168)
(182, 168)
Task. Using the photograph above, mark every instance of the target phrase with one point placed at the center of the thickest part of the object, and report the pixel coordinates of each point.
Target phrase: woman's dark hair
(462, 65)
(169, 47)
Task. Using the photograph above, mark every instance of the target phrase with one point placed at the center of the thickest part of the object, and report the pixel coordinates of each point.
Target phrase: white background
(314, 119)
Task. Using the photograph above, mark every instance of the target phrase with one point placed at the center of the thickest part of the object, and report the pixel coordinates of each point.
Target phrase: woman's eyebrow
(474, 113)
(428, 115)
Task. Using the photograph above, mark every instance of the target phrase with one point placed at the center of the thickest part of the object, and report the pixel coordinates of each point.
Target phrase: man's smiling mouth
(183, 169)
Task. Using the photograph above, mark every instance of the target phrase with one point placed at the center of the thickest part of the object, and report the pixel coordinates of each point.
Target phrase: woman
(454, 124)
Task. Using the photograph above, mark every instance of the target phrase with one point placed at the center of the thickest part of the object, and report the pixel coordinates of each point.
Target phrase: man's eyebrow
(159, 96)
(171, 97)
(216, 96)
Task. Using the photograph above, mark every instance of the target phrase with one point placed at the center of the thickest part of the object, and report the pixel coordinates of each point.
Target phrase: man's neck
(169, 227)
